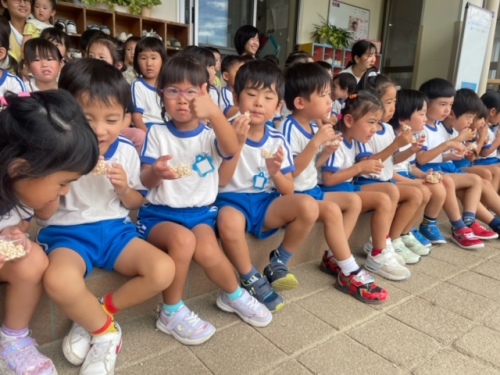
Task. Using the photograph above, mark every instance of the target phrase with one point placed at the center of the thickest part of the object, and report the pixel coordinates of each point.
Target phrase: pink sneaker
(21, 357)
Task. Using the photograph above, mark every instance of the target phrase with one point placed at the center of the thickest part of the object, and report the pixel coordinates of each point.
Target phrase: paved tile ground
(444, 320)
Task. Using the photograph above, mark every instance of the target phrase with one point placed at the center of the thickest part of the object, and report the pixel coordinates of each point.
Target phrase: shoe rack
(121, 22)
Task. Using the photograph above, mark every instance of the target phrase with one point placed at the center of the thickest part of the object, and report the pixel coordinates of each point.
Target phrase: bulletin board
(349, 17)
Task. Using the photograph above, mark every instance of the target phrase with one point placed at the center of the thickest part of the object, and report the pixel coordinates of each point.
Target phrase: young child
(43, 13)
(43, 60)
(327, 66)
(230, 66)
(180, 161)
(8, 81)
(465, 230)
(149, 56)
(358, 122)
(130, 74)
(91, 228)
(59, 38)
(206, 58)
(218, 61)
(256, 193)
(46, 144)
(19, 10)
(307, 93)
(343, 85)
(384, 146)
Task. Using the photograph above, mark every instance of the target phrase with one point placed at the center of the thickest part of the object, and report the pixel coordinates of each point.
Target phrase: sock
(108, 327)
(9, 334)
(170, 310)
(108, 305)
(469, 218)
(405, 234)
(247, 276)
(282, 254)
(348, 266)
(376, 252)
(235, 295)
(457, 225)
(429, 220)
(495, 224)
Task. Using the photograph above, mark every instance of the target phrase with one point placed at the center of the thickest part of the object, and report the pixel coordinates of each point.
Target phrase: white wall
(311, 11)
(168, 10)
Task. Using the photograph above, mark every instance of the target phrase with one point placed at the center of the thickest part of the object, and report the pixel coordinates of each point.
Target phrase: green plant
(134, 5)
(337, 37)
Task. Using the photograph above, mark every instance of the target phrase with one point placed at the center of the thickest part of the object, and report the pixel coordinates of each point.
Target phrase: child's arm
(232, 111)
(483, 143)
(363, 167)
(283, 183)
(130, 198)
(425, 156)
(403, 138)
(404, 155)
(203, 107)
(326, 154)
(153, 174)
(138, 121)
(302, 160)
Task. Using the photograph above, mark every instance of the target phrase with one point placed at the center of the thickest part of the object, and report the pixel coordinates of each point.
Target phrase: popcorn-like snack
(472, 146)
(267, 153)
(11, 249)
(433, 177)
(413, 139)
(406, 128)
(182, 170)
(457, 153)
(247, 114)
(101, 169)
(335, 142)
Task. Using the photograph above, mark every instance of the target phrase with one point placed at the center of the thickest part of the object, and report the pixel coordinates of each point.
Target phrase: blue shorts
(445, 167)
(368, 181)
(463, 163)
(407, 175)
(253, 206)
(315, 192)
(487, 161)
(151, 215)
(100, 244)
(347, 187)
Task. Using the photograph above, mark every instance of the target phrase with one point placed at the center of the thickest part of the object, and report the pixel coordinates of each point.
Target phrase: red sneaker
(361, 285)
(329, 265)
(482, 233)
(466, 239)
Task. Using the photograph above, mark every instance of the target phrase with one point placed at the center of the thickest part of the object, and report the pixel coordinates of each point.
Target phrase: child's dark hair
(437, 88)
(131, 39)
(260, 74)
(182, 68)
(54, 34)
(483, 113)
(202, 54)
(346, 81)
(213, 50)
(375, 83)
(407, 103)
(328, 67)
(466, 101)
(5, 43)
(49, 131)
(359, 49)
(229, 61)
(53, 4)
(87, 37)
(357, 105)
(298, 57)
(242, 36)
(303, 80)
(491, 100)
(148, 44)
(113, 47)
(97, 80)
(272, 58)
(40, 48)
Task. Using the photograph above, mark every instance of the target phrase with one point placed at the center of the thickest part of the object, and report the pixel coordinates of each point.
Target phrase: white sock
(348, 266)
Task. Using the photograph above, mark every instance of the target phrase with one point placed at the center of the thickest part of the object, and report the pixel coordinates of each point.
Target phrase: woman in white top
(363, 57)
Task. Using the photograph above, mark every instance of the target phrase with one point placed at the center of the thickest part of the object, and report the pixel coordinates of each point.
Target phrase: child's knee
(427, 194)
(308, 208)
(354, 203)
(230, 225)
(161, 273)
(385, 203)
(63, 284)
(330, 213)
(208, 255)
(31, 269)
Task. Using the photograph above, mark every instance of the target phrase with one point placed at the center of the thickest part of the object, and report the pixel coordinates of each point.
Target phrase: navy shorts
(100, 244)
(151, 215)
(253, 206)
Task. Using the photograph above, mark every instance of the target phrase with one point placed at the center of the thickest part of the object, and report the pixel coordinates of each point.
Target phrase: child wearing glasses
(180, 162)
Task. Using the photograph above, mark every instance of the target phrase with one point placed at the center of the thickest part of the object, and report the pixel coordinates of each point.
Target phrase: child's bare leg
(179, 242)
(24, 287)
(490, 197)
(450, 206)
(350, 205)
(472, 186)
(382, 216)
(331, 216)
(426, 201)
(484, 214)
(484, 173)
(495, 172)
(213, 261)
(65, 285)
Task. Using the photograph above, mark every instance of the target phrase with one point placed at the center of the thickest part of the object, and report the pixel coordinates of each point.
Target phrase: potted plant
(331, 34)
(144, 6)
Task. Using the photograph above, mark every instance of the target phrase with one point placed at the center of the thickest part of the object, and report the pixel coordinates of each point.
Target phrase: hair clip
(3, 102)
(340, 116)
(23, 94)
(353, 96)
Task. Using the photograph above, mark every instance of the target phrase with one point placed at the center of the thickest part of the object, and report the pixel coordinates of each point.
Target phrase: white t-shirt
(435, 135)
(492, 134)
(14, 217)
(404, 166)
(379, 142)
(298, 139)
(214, 94)
(31, 85)
(343, 158)
(226, 99)
(251, 174)
(196, 149)
(146, 101)
(337, 107)
(92, 198)
(12, 83)
(349, 70)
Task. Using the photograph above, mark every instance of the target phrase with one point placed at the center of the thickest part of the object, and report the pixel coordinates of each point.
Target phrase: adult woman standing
(363, 57)
(18, 11)
(246, 40)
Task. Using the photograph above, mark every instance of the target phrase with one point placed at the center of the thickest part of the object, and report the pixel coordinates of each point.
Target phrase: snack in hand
(472, 146)
(101, 169)
(406, 128)
(433, 177)
(267, 153)
(247, 114)
(182, 170)
(11, 248)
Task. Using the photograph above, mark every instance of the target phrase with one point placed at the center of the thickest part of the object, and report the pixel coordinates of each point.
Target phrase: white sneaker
(386, 265)
(367, 248)
(247, 307)
(101, 358)
(414, 245)
(409, 256)
(76, 344)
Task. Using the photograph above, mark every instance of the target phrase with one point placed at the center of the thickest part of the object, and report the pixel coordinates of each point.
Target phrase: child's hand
(416, 147)
(118, 178)
(325, 134)
(202, 106)
(371, 166)
(15, 233)
(466, 135)
(404, 138)
(274, 164)
(241, 126)
(163, 169)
